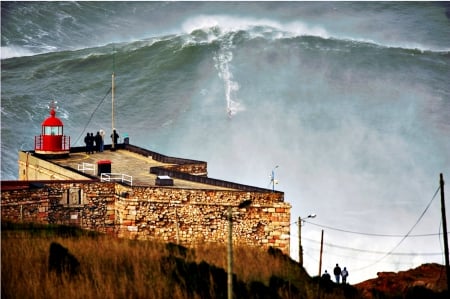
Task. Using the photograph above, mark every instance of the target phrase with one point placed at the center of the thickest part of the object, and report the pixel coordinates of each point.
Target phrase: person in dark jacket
(114, 137)
(337, 273)
(89, 141)
(326, 276)
(98, 142)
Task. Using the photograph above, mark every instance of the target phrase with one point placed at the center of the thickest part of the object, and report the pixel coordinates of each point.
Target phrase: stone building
(136, 193)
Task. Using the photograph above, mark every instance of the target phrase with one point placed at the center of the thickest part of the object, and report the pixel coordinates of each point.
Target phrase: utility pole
(242, 205)
(321, 252)
(444, 228)
(230, 255)
(300, 248)
(178, 229)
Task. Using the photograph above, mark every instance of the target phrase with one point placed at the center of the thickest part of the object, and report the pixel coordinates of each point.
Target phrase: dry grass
(113, 268)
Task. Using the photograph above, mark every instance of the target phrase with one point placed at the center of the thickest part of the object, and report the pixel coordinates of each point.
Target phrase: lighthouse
(52, 141)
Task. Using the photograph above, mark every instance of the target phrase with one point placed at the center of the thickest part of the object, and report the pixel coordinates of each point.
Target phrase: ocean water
(351, 100)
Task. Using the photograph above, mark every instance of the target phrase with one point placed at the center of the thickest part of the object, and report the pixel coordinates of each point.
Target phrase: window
(50, 130)
(72, 197)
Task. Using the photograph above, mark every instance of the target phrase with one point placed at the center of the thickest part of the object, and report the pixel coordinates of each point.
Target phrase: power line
(405, 236)
(353, 257)
(370, 234)
(92, 115)
(374, 251)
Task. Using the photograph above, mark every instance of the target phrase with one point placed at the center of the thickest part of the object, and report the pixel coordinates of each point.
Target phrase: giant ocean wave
(352, 102)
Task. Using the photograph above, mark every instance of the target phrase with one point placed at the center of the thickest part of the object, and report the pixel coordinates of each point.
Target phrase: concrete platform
(127, 163)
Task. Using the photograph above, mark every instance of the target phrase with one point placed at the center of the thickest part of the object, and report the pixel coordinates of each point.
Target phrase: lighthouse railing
(39, 143)
(66, 143)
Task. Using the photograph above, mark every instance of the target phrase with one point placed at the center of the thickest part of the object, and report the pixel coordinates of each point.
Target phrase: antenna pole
(112, 110)
(444, 228)
(112, 100)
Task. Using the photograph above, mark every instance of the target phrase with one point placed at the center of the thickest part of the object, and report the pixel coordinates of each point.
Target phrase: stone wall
(186, 216)
(195, 216)
(90, 205)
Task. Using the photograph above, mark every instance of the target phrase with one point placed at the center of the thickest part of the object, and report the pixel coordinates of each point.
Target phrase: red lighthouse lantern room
(52, 141)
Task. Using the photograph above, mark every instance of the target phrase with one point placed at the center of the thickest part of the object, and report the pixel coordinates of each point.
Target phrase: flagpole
(112, 110)
(112, 100)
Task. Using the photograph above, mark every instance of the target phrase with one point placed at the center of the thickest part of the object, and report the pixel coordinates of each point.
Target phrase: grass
(119, 268)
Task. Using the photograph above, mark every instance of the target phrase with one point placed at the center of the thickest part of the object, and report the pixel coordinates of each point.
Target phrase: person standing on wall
(98, 141)
(337, 273)
(91, 143)
(86, 142)
(114, 137)
(102, 142)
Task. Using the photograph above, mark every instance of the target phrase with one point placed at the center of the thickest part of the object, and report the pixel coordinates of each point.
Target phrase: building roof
(144, 166)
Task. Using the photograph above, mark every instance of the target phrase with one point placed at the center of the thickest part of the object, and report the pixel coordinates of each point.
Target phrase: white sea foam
(11, 51)
(232, 24)
(265, 27)
(223, 60)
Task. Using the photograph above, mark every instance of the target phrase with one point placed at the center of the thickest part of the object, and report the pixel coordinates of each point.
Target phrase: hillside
(95, 266)
(425, 281)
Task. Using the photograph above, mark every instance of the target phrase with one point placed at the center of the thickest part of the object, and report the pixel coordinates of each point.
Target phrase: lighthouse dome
(52, 120)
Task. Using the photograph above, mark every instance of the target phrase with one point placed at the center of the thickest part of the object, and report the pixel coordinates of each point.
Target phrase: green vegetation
(118, 268)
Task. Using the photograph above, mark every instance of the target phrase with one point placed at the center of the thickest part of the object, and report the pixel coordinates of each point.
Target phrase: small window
(53, 130)
(72, 197)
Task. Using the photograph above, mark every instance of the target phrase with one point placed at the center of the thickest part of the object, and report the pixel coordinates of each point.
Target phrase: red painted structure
(52, 141)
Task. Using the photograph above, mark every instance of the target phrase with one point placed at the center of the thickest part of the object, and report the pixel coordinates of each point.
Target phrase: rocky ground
(425, 281)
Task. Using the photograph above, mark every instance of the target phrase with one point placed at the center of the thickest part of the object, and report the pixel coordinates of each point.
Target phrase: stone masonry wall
(191, 217)
(88, 205)
(186, 216)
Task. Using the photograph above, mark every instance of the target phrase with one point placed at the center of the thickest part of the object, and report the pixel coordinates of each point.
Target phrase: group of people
(338, 273)
(97, 143)
(94, 143)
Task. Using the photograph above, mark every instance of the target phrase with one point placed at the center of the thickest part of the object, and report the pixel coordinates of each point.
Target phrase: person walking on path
(344, 274)
(337, 273)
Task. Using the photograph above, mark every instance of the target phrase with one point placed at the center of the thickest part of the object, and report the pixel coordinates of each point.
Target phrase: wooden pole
(444, 228)
(112, 110)
(321, 252)
(176, 222)
(230, 255)
(300, 248)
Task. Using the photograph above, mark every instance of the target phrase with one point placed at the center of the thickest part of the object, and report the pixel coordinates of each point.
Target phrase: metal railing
(39, 144)
(206, 180)
(86, 167)
(116, 177)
